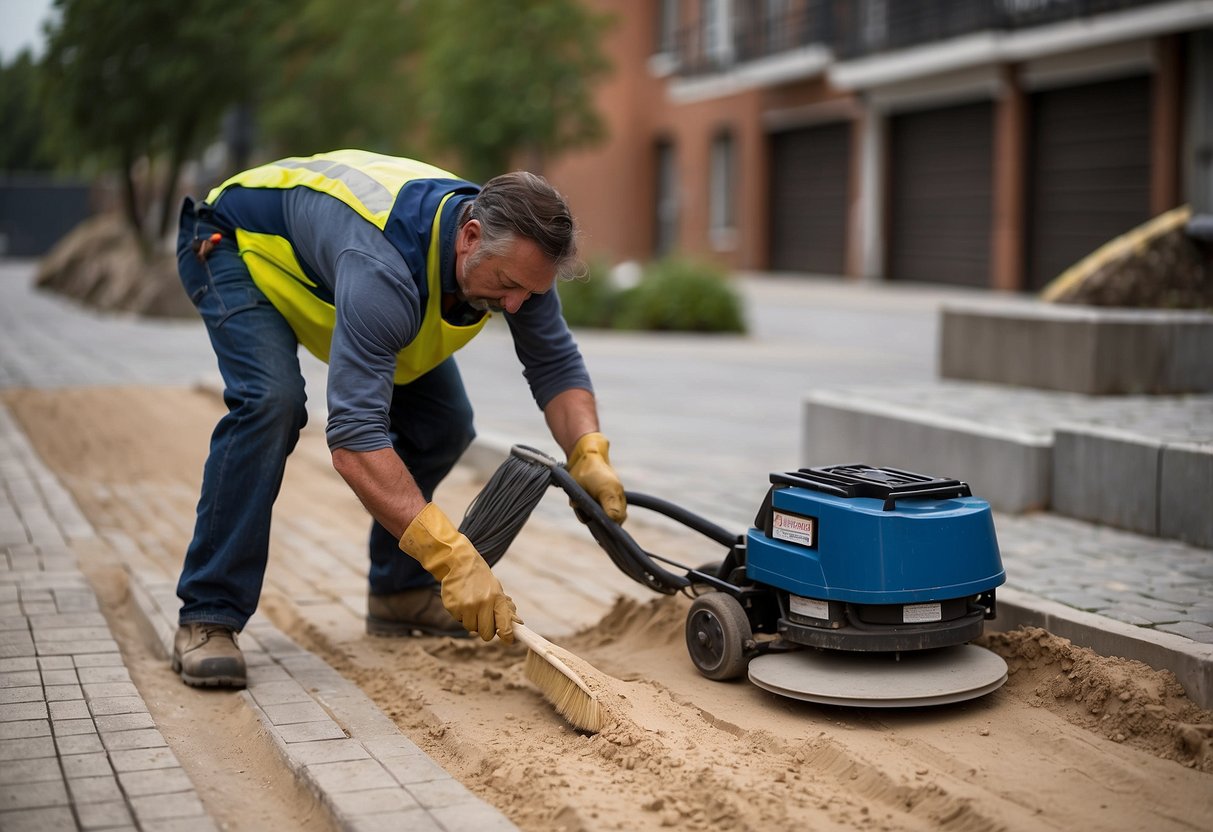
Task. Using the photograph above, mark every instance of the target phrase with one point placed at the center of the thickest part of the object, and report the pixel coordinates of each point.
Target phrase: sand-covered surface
(1073, 740)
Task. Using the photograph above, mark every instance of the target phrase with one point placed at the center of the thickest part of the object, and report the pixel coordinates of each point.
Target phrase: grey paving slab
(86, 765)
(15, 772)
(302, 732)
(71, 727)
(57, 819)
(25, 728)
(155, 781)
(123, 722)
(142, 759)
(104, 815)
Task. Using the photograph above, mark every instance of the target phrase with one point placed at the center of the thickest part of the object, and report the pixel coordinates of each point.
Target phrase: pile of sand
(1121, 699)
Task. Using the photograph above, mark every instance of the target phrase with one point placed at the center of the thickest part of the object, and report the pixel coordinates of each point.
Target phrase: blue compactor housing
(850, 558)
(875, 559)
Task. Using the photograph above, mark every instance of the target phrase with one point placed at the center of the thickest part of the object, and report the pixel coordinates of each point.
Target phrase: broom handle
(545, 649)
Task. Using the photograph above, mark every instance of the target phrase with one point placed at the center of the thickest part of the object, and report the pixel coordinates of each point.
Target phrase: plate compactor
(856, 586)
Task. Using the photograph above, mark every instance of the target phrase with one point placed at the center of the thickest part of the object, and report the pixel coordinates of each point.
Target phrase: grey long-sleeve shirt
(380, 304)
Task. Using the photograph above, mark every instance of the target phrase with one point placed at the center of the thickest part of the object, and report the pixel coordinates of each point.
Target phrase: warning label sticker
(793, 528)
(921, 613)
(809, 607)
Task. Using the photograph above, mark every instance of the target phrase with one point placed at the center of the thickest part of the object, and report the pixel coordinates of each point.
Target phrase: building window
(666, 238)
(777, 25)
(667, 27)
(717, 21)
(721, 201)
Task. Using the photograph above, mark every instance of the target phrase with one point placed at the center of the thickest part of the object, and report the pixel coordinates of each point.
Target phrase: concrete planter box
(1079, 349)
(1008, 468)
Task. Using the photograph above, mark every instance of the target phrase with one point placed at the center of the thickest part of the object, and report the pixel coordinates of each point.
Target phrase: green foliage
(502, 78)
(589, 301)
(343, 78)
(149, 80)
(133, 80)
(24, 120)
(683, 296)
(675, 294)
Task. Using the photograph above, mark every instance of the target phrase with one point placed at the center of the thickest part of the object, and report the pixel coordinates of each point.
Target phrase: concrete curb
(1190, 661)
(334, 738)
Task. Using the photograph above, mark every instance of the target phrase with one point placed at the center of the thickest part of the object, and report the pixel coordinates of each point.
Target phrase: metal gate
(940, 195)
(1089, 171)
(810, 194)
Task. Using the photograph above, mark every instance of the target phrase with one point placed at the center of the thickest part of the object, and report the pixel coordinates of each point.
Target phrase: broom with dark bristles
(560, 684)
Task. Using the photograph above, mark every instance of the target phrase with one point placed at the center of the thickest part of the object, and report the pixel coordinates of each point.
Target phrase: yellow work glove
(590, 465)
(470, 590)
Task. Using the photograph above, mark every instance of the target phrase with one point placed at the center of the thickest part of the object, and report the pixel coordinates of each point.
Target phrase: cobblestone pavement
(700, 421)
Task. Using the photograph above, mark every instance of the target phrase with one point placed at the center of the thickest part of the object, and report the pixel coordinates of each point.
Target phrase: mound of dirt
(101, 264)
(1123, 700)
(1156, 265)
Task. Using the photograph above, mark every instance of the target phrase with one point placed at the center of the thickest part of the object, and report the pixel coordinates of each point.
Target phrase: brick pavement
(78, 747)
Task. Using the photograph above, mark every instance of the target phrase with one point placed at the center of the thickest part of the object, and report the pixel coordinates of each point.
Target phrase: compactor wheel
(717, 631)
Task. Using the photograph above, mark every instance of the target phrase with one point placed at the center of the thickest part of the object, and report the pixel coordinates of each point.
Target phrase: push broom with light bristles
(560, 684)
(494, 519)
(492, 522)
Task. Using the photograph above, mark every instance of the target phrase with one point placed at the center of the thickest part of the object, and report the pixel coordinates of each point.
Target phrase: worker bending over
(383, 267)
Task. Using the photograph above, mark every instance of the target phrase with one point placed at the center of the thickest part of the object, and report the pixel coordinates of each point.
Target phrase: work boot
(412, 612)
(206, 655)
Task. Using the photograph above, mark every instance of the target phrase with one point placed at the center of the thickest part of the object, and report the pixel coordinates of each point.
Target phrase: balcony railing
(856, 28)
(755, 31)
(864, 27)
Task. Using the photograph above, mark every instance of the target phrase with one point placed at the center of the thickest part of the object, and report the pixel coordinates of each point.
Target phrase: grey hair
(522, 204)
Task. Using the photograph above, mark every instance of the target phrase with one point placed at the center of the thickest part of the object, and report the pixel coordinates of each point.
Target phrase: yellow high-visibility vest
(403, 199)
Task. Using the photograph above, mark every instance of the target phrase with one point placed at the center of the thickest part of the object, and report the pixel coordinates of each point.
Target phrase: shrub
(590, 300)
(681, 295)
(674, 295)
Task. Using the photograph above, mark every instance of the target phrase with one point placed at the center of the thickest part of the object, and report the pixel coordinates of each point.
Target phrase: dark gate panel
(1089, 173)
(810, 190)
(940, 195)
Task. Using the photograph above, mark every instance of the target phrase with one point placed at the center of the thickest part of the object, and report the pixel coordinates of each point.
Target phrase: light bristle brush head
(581, 709)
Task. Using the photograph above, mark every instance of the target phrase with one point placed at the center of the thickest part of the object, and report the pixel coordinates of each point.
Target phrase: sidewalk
(79, 748)
(700, 421)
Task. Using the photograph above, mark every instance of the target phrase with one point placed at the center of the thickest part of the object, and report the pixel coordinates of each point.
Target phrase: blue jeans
(257, 352)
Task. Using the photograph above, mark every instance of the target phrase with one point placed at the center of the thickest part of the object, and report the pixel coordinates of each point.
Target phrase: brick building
(977, 142)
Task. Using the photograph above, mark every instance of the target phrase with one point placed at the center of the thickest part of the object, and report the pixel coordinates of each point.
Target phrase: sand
(1074, 740)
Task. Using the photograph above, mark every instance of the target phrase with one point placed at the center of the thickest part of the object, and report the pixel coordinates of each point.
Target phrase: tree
(21, 141)
(146, 80)
(503, 79)
(343, 79)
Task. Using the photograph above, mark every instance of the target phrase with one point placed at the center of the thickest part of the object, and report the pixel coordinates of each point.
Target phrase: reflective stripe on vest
(369, 183)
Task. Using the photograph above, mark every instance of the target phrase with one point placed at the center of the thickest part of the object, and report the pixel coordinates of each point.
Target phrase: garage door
(1089, 171)
(940, 191)
(810, 183)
